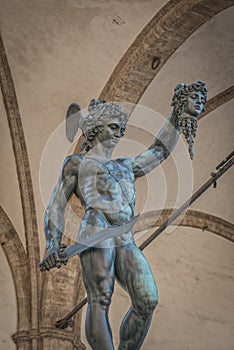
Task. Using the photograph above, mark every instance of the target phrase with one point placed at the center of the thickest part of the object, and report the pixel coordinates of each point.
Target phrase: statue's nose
(117, 134)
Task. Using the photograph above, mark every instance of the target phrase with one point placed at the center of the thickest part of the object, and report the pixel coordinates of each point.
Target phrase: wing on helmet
(74, 120)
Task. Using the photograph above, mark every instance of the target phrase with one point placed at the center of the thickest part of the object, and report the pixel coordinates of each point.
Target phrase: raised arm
(54, 215)
(162, 146)
(188, 103)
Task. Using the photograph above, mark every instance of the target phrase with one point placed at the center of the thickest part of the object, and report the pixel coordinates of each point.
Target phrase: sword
(91, 241)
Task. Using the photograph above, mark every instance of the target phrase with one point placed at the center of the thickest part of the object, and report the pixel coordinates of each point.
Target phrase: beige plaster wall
(64, 51)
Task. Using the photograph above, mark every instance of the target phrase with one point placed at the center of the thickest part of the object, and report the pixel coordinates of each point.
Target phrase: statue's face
(111, 133)
(195, 103)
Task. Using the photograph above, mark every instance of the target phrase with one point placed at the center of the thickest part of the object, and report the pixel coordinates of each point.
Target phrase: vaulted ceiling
(57, 52)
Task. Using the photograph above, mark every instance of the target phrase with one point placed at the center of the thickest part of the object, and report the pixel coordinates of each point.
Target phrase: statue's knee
(146, 307)
(105, 298)
(150, 305)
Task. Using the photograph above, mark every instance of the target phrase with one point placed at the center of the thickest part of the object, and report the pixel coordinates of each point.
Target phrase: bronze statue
(107, 192)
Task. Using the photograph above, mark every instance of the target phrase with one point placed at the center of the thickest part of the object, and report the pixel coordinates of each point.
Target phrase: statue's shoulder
(72, 162)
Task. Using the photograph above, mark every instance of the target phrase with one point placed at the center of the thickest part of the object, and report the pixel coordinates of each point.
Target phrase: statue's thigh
(98, 270)
(134, 274)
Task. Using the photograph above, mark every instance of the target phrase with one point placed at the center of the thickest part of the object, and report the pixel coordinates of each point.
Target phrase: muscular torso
(107, 192)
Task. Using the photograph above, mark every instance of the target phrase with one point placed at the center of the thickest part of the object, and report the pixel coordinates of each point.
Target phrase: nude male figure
(107, 192)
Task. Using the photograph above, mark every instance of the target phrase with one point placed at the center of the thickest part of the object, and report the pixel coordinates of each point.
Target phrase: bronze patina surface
(107, 192)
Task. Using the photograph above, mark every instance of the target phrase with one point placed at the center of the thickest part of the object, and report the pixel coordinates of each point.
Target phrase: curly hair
(99, 113)
(181, 92)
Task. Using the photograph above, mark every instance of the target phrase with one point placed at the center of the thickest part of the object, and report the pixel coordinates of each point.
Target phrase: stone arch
(218, 100)
(17, 259)
(27, 281)
(24, 179)
(160, 38)
(193, 218)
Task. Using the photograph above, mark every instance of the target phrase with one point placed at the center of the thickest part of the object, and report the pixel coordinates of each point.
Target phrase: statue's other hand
(53, 258)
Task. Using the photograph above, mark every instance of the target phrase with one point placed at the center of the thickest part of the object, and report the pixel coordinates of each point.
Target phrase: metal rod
(223, 167)
(225, 160)
(64, 322)
(195, 196)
